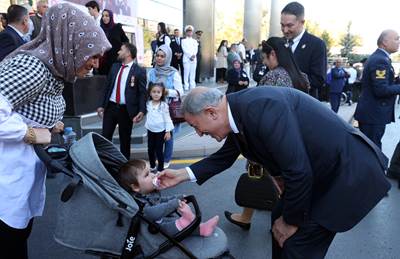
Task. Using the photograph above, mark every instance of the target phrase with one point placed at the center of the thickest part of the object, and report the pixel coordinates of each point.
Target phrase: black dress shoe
(244, 226)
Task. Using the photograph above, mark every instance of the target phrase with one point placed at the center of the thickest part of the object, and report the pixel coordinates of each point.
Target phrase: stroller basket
(97, 214)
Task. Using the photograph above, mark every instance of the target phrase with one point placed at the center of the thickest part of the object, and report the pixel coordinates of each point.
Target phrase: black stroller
(99, 217)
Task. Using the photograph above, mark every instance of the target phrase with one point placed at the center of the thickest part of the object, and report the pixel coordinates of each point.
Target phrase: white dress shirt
(22, 174)
(17, 31)
(190, 47)
(241, 50)
(296, 40)
(98, 20)
(235, 130)
(353, 74)
(124, 77)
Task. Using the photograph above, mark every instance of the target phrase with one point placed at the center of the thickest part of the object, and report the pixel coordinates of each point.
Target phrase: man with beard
(124, 102)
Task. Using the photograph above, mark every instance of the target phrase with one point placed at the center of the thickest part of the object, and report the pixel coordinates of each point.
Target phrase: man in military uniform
(375, 107)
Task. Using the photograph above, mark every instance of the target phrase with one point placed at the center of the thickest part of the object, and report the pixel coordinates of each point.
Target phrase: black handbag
(176, 111)
(256, 189)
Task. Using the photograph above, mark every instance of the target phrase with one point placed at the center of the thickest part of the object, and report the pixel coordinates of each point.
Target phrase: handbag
(175, 110)
(256, 189)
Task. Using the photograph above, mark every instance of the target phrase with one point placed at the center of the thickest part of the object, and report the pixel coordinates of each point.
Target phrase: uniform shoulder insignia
(380, 74)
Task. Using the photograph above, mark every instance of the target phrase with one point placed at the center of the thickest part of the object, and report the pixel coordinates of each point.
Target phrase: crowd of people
(273, 125)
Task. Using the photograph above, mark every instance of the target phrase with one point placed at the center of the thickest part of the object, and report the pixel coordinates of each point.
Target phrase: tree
(348, 41)
(329, 41)
(313, 28)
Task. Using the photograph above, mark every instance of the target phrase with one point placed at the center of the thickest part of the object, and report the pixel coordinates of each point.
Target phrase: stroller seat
(97, 216)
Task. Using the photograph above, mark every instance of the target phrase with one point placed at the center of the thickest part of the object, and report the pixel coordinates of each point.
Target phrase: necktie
(177, 40)
(118, 93)
(289, 44)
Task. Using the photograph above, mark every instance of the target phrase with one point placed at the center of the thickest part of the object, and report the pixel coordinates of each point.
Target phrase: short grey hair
(41, 2)
(196, 101)
(382, 37)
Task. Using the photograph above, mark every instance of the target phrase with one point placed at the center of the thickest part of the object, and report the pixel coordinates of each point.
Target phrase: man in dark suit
(309, 51)
(41, 7)
(125, 98)
(327, 166)
(177, 52)
(339, 76)
(375, 106)
(18, 25)
(198, 78)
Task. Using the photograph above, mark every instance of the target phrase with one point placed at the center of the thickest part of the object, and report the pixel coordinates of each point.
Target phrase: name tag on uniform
(244, 75)
(132, 81)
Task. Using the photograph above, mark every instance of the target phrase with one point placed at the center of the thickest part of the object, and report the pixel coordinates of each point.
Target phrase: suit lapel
(130, 80)
(302, 42)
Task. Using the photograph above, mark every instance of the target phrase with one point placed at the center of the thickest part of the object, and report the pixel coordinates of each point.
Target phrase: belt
(118, 105)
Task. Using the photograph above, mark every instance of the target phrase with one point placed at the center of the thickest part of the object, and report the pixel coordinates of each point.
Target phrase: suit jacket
(176, 48)
(338, 79)
(9, 41)
(310, 56)
(37, 25)
(377, 98)
(332, 172)
(135, 96)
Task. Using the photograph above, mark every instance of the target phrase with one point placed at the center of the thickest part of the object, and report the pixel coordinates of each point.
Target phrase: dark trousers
(220, 74)
(394, 168)
(311, 240)
(198, 71)
(334, 99)
(348, 90)
(155, 144)
(178, 65)
(314, 92)
(373, 131)
(114, 115)
(14, 242)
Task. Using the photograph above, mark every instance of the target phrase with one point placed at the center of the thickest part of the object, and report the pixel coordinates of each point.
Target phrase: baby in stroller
(135, 177)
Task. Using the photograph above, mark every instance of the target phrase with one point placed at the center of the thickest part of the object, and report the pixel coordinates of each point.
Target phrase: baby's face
(145, 179)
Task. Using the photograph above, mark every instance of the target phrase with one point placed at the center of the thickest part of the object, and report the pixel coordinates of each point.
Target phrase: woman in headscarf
(116, 35)
(237, 78)
(170, 77)
(31, 84)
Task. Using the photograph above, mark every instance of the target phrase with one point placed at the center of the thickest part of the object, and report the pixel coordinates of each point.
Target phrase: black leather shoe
(244, 226)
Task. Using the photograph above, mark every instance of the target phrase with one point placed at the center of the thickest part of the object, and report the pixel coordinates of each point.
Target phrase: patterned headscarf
(68, 38)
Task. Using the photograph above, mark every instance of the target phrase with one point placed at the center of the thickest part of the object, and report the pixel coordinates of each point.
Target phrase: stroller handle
(49, 162)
